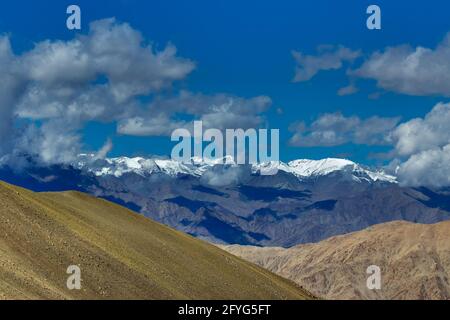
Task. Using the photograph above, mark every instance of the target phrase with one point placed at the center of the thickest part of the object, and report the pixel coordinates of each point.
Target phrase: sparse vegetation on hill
(121, 254)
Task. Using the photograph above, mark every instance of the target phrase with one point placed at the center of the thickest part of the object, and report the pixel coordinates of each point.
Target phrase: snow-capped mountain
(141, 166)
(306, 169)
(303, 169)
(305, 201)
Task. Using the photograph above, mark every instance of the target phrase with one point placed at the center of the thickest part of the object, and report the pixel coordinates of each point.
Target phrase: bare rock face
(414, 260)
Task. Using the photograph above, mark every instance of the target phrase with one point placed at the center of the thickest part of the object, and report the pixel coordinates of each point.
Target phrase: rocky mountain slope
(121, 254)
(414, 261)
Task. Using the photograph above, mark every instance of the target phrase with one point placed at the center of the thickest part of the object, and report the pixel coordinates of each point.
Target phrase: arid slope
(414, 261)
(122, 255)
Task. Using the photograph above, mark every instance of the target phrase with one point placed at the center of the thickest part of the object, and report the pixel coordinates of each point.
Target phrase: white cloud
(159, 125)
(53, 142)
(101, 76)
(104, 150)
(220, 176)
(115, 51)
(422, 148)
(415, 71)
(426, 133)
(333, 129)
(219, 111)
(328, 58)
(63, 84)
(347, 90)
(418, 71)
(426, 168)
(68, 75)
(10, 88)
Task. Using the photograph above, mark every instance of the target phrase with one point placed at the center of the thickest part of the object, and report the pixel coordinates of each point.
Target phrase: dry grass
(122, 255)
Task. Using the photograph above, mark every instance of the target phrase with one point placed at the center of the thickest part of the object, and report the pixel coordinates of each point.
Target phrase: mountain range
(303, 201)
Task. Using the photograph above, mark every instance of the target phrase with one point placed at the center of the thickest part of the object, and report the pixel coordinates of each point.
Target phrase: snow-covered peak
(323, 167)
(307, 168)
(122, 165)
(302, 168)
(142, 166)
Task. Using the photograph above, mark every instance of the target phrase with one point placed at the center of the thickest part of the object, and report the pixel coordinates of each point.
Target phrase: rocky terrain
(414, 260)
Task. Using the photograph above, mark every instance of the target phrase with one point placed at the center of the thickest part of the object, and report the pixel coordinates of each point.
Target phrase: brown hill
(414, 261)
(121, 254)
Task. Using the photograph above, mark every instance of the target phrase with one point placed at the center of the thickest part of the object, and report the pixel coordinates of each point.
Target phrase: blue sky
(244, 49)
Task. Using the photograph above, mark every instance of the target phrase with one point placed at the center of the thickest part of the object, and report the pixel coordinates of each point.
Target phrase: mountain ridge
(301, 168)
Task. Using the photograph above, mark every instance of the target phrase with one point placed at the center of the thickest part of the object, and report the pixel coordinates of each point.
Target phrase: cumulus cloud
(420, 154)
(421, 134)
(328, 58)
(158, 125)
(333, 129)
(10, 89)
(220, 176)
(53, 142)
(415, 71)
(426, 168)
(58, 86)
(63, 84)
(219, 111)
(422, 148)
(68, 75)
(112, 50)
